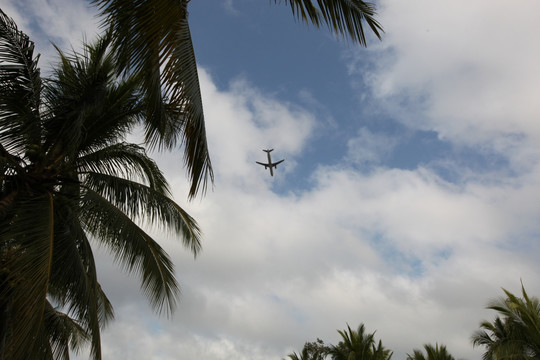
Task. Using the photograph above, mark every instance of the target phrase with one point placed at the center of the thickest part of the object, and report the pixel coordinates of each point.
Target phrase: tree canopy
(68, 179)
(515, 332)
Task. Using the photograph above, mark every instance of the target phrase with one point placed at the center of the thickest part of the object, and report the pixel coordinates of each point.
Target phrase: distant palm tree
(307, 354)
(380, 352)
(304, 355)
(67, 179)
(515, 334)
(152, 37)
(358, 345)
(497, 340)
(315, 350)
(432, 353)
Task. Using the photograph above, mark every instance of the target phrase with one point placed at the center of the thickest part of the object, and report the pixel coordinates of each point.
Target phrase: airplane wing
(263, 164)
(276, 163)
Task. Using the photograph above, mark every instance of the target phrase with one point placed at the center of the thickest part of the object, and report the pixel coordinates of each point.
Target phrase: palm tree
(380, 352)
(152, 37)
(315, 350)
(358, 345)
(496, 339)
(513, 334)
(432, 353)
(67, 179)
(304, 355)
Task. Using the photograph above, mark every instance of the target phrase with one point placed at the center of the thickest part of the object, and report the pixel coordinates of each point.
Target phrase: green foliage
(315, 350)
(344, 17)
(68, 178)
(432, 353)
(359, 345)
(355, 344)
(515, 333)
(153, 39)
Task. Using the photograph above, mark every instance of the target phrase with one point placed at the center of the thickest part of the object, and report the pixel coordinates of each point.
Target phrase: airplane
(270, 164)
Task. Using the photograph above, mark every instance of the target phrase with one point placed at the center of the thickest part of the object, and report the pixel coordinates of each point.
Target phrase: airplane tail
(269, 150)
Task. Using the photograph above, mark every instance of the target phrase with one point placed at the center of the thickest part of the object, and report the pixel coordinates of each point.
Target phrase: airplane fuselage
(270, 162)
(270, 165)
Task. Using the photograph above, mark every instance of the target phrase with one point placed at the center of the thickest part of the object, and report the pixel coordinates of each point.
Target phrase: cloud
(230, 7)
(406, 252)
(241, 121)
(40, 19)
(464, 70)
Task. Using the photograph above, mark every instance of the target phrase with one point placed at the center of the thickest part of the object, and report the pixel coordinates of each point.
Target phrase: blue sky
(409, 194)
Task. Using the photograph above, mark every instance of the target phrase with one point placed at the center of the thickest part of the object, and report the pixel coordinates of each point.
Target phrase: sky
(408, 198)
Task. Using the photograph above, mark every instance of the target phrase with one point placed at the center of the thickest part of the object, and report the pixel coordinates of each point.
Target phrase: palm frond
(138, 201)
(416, 355)
(153, 35)
(10, 165)
(26, 245)
(124, 160)
(515, 334)
(182, 69)
(64, 333)
(135, 250)
(77, 290)
(344, 17)
(88, 107)
(21, 88)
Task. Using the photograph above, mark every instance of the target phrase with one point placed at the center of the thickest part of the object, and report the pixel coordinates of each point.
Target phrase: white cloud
(466, 70)
(241, 122)
(403, 251)
(64, 23)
